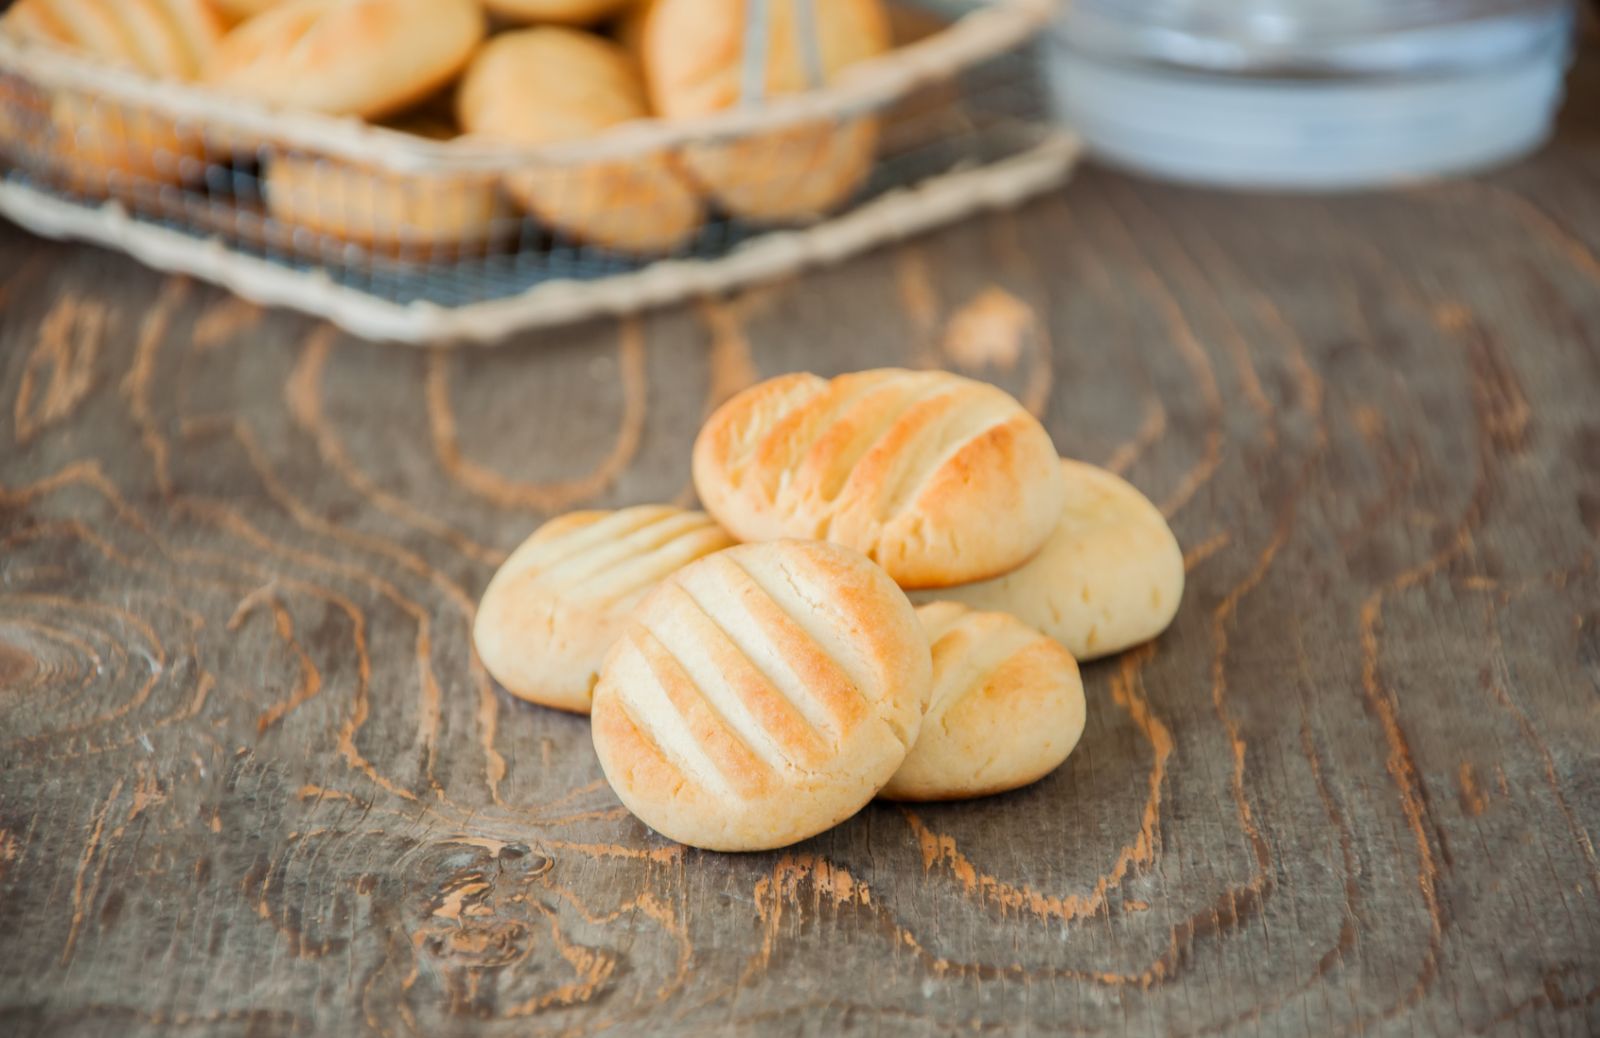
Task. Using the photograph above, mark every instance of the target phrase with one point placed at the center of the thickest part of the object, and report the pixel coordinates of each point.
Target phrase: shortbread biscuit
(385, 210)
(693, 56)
(368, 58)
(1006, 708)
(761, 695)
(693, 50)
(100, 144)
(939, 479)
(1110, 576)
(794, 174)
(563, 597)
(549, 85)
(239, 10)
(555, 12)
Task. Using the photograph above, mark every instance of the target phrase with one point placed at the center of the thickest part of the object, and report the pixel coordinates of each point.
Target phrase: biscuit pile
(523, 72)
(758, 674)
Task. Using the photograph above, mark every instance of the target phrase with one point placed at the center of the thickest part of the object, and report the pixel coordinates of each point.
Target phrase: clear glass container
(1315, 94)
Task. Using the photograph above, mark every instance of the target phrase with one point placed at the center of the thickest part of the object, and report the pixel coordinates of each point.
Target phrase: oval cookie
(565, 595)
(583, 85)
(693, 56)
(761, 695)
(1006, 708)
(348, 57)
(1110, 575)
(939, 479)
(99, 143)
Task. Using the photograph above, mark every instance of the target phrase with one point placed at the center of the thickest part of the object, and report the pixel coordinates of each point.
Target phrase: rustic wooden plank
(253, 782)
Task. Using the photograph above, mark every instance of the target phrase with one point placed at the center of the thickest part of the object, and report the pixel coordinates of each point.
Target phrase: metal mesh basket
(394, 235)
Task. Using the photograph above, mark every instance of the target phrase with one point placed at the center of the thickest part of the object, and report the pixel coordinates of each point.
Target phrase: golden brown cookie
(562, 598)
(554, 12)
(692, 52)
(239, 10)
(1109, 576)
(99, 144)
(939, 479)
(368, 58)
(385, 210)
(761, 695)
(1006, 708)
(583, 85)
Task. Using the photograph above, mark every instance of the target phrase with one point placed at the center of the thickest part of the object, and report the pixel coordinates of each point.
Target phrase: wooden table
(253, 781)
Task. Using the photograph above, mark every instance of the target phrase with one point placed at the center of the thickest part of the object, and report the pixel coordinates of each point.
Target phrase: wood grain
(254, 782)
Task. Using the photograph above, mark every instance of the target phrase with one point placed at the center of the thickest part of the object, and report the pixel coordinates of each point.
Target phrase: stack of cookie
(523, 72)
(759, 673)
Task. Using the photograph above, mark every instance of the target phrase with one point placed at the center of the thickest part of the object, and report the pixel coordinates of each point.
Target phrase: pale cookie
(563, 597)
(1110, 576)
(368, 58)
(1006, 709)
(239, 10)
(388, 211)
(583, 85)
(97, 143)
(761, 695)
(693, 56)
(555, 12)
(939, 479)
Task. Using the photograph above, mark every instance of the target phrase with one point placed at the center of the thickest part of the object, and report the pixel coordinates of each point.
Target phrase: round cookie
(939, 479)
(583, 85)
(555, 12)
(368, 58)
(1006, 708)
(385, 210)
(761, 695)
(97, 143)
(564, 596)
(1110, 576)
(794, 174)
(692, 52)
(239, 10)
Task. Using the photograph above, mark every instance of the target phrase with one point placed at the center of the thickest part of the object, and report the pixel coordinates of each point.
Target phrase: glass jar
(1314, 94)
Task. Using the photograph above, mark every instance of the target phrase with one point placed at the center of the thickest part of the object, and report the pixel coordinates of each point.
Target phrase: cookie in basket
(552, 85)
(1006, 708)
(97, 143)
(562, 598)
(368, 58)
(555, 12)
(238, 10)
(439, 215)
(772, 176)
(761, 695)
(939, 479)
(1109, 576)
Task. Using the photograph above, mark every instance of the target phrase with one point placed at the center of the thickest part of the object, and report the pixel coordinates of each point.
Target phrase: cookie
(368, 58)
(563, 597)
(239, 10)
(583, 85)
(761, 695)
(1110, 575)
(939, 479)
(1006, 708)
(693, 55)
(99, 144)
(389, 211)
(554, 12)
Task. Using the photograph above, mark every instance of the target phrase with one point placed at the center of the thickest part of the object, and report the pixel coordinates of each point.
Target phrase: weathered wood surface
(252, 780)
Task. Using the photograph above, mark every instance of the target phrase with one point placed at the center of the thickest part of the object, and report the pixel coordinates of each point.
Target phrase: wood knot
(526, 860)
(17, 666)
(480, 944)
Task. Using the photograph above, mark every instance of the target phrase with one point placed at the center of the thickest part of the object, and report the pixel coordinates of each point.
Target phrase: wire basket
(395, 236)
